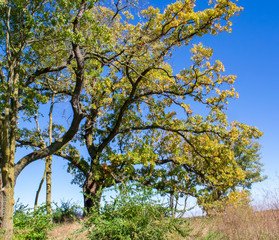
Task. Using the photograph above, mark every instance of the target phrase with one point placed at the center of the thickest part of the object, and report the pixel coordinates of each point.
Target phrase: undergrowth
(134, 215)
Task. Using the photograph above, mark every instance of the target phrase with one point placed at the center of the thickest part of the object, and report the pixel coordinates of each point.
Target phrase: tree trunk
(39, 190)
(8, 207)
(8, 143)
(1, 195)
(171, 201)
(1, 183)
(8, 128)
(49, 159)
(48, 183)
(47, 175)
(93, 193)
(8, 150)
(8, 187)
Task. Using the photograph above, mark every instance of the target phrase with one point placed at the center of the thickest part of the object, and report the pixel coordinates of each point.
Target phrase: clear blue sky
(251, 52)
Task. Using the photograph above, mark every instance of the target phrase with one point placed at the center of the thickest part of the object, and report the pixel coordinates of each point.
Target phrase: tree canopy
(141, 116)
(138, 119)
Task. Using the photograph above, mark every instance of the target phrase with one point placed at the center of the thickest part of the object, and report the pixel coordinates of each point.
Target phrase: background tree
(38, 39)
(48, 160)
(214, 197)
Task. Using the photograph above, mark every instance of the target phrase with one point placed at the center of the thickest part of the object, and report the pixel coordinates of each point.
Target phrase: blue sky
(251, 52)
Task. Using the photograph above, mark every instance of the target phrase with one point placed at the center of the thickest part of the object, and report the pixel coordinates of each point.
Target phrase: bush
(133, 215)
(31, 224)
(66, 212)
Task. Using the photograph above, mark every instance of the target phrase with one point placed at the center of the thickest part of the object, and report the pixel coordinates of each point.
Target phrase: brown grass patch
(67, 231)
(243, 223)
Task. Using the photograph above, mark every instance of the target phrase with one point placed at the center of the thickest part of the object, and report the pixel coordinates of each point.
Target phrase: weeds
(136, 215)
(30, 224)
(66, 212)
(133, 216)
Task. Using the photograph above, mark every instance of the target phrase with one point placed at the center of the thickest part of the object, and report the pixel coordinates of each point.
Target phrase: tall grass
(237, 223)
(244, 223)
(132, 214)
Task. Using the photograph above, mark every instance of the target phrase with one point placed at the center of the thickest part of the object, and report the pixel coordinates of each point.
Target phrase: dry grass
(67, 231)
(242, 223)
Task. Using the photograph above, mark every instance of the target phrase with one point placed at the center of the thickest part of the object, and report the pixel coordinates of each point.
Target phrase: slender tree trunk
(49, 159)
(184, 208)
(176, 204)
(1, 195)
(93, 194)
(48, 183)
(48, 162)
(39, 190)
(171, 201)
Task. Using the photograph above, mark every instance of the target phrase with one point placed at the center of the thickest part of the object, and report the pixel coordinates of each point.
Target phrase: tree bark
(1, 183)
(8, 153)
(8, 205)
(93, 193)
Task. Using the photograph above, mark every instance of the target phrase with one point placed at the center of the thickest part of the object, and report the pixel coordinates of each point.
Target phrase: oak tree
(38, 38)
(141, 117)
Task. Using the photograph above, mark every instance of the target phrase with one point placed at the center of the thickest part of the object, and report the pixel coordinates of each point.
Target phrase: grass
(247, 224)
(67, 231)
(239, 222)
(242, 223)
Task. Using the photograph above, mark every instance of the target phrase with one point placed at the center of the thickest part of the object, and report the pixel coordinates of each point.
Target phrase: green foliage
(134, 215)
(66, 212)
(30, 224)
(214, 235)
(129, 129)
(217, 195)
(149, 124)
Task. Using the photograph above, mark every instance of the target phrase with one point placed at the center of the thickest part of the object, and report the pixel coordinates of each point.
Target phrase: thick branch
(80, 165)
(42, 71)
(29, 143)
(122, 111)
(177, 131)
(89, 124)
(78, 114)
(165, 128)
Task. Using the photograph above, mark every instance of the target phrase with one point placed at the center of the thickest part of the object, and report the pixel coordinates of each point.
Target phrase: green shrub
(31, 224)
(66, 212)
(133, 215)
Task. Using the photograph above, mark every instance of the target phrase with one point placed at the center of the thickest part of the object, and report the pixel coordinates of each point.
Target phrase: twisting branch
(122, 111)
(78, 114)
(42, 71)
(22, 143)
